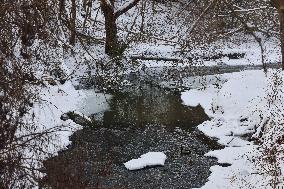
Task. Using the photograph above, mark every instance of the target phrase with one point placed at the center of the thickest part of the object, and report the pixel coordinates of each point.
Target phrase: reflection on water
(145, 105)
(140, 119)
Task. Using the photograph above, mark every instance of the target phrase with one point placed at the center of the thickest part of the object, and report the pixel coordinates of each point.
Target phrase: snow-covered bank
(240, 50)
(44, 118)
(55, 101)
(244, 106)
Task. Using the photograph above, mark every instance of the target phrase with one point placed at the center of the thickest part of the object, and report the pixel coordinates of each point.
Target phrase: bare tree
(211, 20)
(112, 46)
(28, 36)
(73, 22)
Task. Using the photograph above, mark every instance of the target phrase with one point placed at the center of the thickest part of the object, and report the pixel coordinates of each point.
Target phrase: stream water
(140, 119)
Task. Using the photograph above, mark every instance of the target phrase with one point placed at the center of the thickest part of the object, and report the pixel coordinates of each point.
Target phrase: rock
(64, 117)
(185, 150)
(58, 73)
(51, 81)
(244, 119)
(78, 118)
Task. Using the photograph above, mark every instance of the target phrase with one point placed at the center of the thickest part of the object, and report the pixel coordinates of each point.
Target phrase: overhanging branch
(126, 8)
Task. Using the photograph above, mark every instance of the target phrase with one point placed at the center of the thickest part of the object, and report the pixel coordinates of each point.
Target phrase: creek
(140, 118)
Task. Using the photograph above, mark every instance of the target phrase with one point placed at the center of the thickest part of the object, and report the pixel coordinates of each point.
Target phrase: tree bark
(72, 39)
(61, 8)
(111, 45)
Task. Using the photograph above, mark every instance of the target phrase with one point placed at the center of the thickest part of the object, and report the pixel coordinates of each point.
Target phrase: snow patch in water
(149, 159)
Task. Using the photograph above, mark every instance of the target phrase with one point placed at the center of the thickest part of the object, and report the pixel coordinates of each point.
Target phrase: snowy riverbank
(245, 105)
(52, 103)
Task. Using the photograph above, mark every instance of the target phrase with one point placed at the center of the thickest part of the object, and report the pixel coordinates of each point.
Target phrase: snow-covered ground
(248, 47)
(44, 118)
(243, 104)
(57, 100)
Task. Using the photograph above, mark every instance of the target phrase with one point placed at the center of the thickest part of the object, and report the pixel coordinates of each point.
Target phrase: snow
(243, 45)
(53, 102)
(236, 106)
(149, 159)
(124, 6)
(231, 100)
(248, 46)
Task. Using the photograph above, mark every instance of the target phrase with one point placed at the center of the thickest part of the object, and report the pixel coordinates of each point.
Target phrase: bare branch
(126, 8)
(194, 25)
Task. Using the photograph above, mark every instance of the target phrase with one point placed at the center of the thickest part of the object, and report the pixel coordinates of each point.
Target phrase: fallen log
(155, 58)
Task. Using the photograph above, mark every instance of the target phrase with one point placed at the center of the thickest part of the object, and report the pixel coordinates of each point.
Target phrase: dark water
(140, 119)
(140, 106)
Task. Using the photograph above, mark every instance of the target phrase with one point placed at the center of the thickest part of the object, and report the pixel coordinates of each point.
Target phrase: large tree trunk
(72, 39)
(111, 46)
(61, 8)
